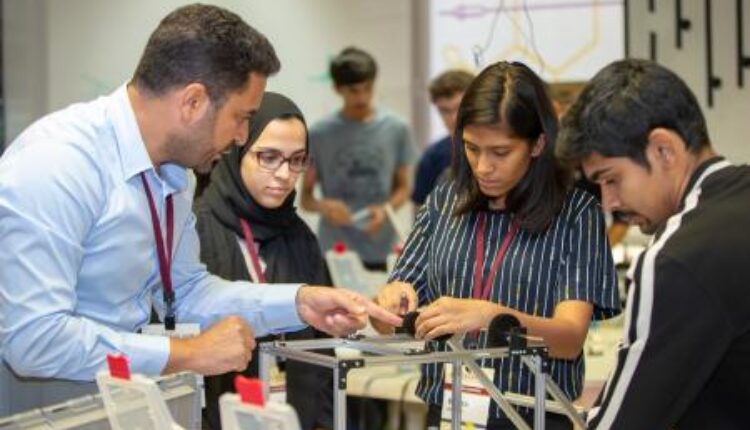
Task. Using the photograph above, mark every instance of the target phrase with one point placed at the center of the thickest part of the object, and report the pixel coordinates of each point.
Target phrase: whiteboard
(562, 40)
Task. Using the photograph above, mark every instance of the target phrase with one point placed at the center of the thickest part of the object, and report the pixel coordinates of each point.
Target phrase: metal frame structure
(400, 349)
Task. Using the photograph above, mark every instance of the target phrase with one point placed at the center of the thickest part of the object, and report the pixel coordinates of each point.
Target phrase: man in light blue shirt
(79, 270)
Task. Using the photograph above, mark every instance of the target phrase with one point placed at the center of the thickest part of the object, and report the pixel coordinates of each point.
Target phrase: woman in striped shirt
(507, 235)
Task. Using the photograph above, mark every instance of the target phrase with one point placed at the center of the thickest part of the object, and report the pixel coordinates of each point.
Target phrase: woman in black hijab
(250, 201)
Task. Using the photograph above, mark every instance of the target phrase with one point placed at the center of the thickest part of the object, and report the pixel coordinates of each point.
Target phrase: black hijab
(287, 245)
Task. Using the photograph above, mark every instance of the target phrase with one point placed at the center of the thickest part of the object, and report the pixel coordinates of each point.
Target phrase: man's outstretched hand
(339, 312)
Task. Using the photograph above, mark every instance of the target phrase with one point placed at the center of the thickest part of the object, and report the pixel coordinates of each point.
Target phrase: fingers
(372, 227)
(381, 327)
(382, 314)
(343, 311)
(246, 340)
(227, 345)
(390, 296)
(434, 327)
(348, 324)
(246, 333)
(411, 295)
(250, 346)
(440, 331)
(425, 323)
(377, 219)
(431, 311)
(341, 324)
(349, 301)
(434, 317)
(388, 300)
(358, 306)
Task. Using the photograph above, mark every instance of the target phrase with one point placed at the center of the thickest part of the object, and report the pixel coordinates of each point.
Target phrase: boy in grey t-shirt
(362, 158)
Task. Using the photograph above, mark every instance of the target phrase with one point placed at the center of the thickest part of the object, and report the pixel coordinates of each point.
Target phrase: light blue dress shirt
(78, 265)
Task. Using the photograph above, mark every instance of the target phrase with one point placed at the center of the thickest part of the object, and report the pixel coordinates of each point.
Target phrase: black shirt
(433, 164)
(683, 361)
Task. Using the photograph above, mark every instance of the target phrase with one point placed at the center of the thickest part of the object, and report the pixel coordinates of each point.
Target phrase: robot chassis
(399, 349)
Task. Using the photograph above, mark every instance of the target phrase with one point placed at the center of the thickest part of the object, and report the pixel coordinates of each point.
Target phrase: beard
(645, 225)
(193, 147)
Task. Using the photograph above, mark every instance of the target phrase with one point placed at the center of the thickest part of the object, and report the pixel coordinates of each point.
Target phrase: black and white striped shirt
(571, 260)
(684, 360)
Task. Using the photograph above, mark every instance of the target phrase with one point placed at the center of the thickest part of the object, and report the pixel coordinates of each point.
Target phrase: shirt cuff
(280, 308)
(148, 355)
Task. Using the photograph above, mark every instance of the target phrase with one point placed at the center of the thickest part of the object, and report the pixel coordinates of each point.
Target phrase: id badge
(181, 330)
(475, 400)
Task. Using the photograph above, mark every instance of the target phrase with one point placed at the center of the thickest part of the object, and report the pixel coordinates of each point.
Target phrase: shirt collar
(133, 155)
(696, 175)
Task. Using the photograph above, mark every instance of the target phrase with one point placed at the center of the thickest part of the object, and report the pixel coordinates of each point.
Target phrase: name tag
(475, 400)
(181, 330)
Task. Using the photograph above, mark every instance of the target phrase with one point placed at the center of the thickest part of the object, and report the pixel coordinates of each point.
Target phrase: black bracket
(517, 339)
(743, 60)
(344, 367)
(652, 46)
(518, 345)
(539, 351)
(682, 24)
(713, 82)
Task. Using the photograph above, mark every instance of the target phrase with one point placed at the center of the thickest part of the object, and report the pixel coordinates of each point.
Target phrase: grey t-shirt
(356, 162)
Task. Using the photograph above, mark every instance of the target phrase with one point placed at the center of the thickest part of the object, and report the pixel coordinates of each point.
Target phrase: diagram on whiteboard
(563, 40)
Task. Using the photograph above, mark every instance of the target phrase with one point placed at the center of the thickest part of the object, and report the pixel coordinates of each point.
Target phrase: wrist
(181, 356)
(490, 311)
(299, 300)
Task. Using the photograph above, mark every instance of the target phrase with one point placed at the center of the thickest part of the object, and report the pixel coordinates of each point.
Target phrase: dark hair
(449, 83)
(353, 66)
(617, 110)
(512, 95)
(205, 44)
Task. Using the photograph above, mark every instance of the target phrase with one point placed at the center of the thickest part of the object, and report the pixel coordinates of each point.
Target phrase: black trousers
(552, 422)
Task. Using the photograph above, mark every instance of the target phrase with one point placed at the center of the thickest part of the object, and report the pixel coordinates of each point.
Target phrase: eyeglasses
(272, 160)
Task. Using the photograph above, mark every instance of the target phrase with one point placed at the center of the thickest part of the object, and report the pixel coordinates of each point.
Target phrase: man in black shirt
(446, 92)
(638, 131)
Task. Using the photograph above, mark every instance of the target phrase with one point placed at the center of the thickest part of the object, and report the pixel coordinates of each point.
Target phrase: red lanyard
(482, 290)
(250, 244)
(164, 254)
